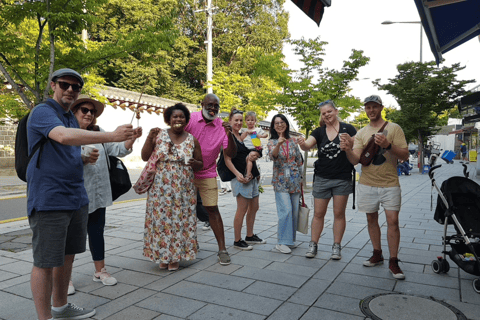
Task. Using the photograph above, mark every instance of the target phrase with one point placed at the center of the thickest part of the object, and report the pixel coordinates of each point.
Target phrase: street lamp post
(421, 32)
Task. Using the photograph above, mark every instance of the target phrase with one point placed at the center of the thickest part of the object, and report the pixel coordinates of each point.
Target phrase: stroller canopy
(463, 198)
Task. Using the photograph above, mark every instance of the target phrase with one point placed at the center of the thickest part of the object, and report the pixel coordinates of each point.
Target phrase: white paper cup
(87, 149)
(187, 159)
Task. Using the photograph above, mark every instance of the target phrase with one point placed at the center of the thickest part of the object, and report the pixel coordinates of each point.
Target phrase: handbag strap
(383, 127)
(106, 156)
(303, 198)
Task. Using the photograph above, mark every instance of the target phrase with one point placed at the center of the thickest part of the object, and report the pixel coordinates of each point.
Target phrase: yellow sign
(472, 155)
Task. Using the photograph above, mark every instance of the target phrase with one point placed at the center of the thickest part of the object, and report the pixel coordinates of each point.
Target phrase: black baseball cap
(65, 72)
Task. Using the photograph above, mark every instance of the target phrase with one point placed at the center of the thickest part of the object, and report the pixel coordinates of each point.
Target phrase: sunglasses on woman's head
(86, 110)
(65, 85)
(237, 112)
(324, 103)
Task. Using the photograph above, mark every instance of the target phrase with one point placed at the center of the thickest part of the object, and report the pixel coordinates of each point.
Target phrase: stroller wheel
(437, 266)
(476, 285)
(445, 266)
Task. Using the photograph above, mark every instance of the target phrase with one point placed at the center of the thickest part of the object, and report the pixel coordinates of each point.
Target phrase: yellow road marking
(13, 220)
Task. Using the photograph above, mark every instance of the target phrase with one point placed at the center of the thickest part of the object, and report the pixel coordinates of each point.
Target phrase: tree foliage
(37, 37)
(425, 94)
(313, 83)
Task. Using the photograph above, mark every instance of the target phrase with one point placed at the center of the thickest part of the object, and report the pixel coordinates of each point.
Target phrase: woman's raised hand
(152, 135)
(281, 140)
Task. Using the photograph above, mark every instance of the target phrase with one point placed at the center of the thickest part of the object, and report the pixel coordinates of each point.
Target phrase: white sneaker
(283, 248)
(104, 277)
(71, 288)
(206, 226)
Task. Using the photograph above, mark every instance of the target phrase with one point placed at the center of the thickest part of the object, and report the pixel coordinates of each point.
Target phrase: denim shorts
(370, 198)
(327, 188)
(247, 190)
(57, 234)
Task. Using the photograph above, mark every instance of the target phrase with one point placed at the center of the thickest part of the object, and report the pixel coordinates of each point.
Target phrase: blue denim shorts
(247, 190)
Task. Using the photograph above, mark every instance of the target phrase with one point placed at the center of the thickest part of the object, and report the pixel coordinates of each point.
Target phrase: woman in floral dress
(286, 180)
(170, 220)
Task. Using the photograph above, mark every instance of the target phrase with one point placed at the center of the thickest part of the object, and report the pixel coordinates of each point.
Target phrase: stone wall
(7, 145)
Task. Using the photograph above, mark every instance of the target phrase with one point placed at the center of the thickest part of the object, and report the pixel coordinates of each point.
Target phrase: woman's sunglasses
(65, 85)
(237, 112)
(86, 110)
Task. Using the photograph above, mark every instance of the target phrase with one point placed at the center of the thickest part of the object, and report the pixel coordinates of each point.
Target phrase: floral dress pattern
(170, 220)
(283, 163)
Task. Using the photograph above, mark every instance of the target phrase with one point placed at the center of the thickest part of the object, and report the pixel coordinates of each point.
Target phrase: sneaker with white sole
(242, 245)
(397, 273)
(254, 240)
(73, 312)
(283, 248)
(312, 250)
(206, 226)
(224, 258)
(71, 288)
(375, 260)
(336, 251)
(104, 277)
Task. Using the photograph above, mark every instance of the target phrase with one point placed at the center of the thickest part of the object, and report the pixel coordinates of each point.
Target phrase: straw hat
(85, 98)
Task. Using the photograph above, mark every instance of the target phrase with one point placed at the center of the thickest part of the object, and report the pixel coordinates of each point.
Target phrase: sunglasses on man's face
(86, 110)
(65, 85)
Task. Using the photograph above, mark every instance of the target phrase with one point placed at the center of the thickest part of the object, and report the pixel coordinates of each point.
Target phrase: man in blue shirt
(56, 198)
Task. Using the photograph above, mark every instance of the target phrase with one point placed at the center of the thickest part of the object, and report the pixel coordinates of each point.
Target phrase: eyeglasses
(86, 110)
(215, 106)
(280, 123)
(321, 104)
(237, 112)
(65, 85)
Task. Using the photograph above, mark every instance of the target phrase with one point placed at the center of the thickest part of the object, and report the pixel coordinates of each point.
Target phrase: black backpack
(21, 147)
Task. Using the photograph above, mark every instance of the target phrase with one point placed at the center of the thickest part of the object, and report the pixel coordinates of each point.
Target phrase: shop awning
(313, 8)
(449, 23)
(463, 130)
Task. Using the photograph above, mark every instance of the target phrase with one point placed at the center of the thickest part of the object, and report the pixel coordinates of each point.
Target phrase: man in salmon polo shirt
(212, 134)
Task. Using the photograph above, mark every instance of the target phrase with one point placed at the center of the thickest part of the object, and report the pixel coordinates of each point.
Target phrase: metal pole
(421, 41)
(209, 46)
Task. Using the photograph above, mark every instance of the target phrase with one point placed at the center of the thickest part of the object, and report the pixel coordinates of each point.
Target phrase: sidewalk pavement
(259, 284)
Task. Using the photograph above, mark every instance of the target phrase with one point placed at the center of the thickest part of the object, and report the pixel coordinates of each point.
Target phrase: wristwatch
(389, 147)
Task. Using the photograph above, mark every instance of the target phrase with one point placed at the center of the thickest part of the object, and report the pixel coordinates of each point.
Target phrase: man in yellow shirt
(379, 182)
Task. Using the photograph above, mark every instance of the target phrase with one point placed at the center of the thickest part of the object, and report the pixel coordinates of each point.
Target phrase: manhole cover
(397, 306)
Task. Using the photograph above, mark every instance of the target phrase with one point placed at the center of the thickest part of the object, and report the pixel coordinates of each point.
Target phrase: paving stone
(242, 260)
(315, 263)
(339, 303)
(221, 280)
(271, 276)
(330, 270)
(5, 275)
(167, 317)
(357, 292)
(171, 279)
(271, 256)
(295, 269)
(178, 306)
(427, 290)
(14, 281)
(317, 313)
(23, 290)
(366, 281)
(288, 311)
(218, 268)
(270, 290)
(113, 292)
(134, 313)
(108, 309)
(223, 297)
(14, 307)
(135, 278)
(309, 292)
(470, 310)
(213, 312)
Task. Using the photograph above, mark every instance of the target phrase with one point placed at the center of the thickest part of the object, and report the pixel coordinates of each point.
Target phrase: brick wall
(7, 140)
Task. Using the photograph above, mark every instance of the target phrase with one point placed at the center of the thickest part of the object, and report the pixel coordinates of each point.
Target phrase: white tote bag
(303, 212)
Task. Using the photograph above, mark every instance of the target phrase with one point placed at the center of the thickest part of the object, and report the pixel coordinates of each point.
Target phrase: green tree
(314, 83)
(424, 92)
(37, 37)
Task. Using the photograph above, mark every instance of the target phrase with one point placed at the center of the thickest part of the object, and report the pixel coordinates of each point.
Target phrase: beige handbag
(303, 212)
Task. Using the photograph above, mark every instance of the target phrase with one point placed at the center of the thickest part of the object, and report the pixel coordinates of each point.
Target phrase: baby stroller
(458, 203)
